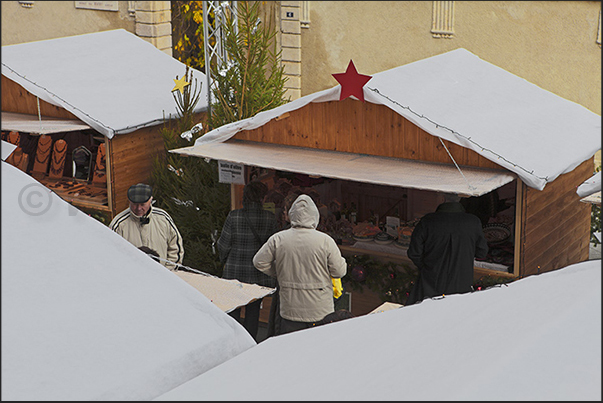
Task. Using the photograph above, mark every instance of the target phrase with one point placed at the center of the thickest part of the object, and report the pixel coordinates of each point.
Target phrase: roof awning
(24, 123)
(594, 198)
(355, 167)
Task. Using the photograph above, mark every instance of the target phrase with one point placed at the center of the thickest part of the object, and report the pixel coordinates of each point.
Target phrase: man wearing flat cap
(142, 224)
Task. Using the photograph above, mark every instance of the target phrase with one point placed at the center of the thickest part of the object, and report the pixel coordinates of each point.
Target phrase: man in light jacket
(303, 260)
(142, 224)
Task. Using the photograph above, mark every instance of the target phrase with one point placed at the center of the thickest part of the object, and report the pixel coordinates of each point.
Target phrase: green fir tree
(253, 79)
(188, 187)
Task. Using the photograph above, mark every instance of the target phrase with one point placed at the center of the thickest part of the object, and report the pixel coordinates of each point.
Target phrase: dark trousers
(274, 318)
(288, 326)
(252, 317)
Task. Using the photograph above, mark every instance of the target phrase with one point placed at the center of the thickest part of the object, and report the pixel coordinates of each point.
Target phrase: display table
(398, 253)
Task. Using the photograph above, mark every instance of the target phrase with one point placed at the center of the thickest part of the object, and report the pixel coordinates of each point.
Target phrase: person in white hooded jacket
(303, 260)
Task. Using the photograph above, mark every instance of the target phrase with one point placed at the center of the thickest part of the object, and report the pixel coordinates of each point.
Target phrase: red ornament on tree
(351, 82)
(358, 273)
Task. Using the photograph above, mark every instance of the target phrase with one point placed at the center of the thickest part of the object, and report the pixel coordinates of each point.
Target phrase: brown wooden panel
(551, 220)
(368, 142)
(458, 153)
(390, 140)
(18, 100)
(360, 143)
(560, 253)
(343, 126)
(563, 201)
(304, 130)
(556, 196)
(411, 145)
(285, 131)
(325, 141)
(132, 161)
(567, 181)
(264, 309)
(354, 126)
(365, 301)
(474, 159)
(555, 224)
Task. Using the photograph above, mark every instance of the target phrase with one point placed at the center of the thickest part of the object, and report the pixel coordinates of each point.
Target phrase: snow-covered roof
(88, 316)
(468, 101)
(590, 192)
(114, 81)
(539, 338)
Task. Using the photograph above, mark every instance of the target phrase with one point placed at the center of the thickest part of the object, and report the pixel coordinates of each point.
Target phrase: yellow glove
(337, 287)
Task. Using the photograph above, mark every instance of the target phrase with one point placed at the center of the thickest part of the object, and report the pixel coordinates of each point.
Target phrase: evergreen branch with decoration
(189, 97)
(188, 187)
(393, 282)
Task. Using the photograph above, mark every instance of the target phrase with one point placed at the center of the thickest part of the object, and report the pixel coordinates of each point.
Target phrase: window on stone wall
(442, 24)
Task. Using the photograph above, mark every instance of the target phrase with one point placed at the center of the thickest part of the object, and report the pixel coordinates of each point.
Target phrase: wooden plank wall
(131, 162)
(16, 99)
(357, 127)
(555, 224)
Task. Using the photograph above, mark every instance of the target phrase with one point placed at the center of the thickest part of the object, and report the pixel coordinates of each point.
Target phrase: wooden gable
(364, 128)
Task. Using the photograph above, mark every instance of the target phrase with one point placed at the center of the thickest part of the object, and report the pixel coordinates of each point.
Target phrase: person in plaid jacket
(244, 232)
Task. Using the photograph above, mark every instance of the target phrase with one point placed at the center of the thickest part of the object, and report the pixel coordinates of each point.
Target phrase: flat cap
(139, 193)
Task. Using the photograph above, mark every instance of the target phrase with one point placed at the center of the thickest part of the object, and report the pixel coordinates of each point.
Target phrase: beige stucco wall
(549, 43)
(56, 19)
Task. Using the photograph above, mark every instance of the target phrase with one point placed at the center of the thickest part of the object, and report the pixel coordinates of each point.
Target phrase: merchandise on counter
(365, 231)
(496, 233)
(404, 234)
(383, 238)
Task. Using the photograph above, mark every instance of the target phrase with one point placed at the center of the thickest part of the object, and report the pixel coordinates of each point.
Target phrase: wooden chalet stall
(86, 112)
(419, 134)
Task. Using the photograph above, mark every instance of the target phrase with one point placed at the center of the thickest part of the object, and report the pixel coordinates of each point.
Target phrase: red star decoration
(351, 82)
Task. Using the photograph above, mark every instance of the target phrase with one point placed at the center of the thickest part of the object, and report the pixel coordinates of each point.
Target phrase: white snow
(539, 338)
(87, 316)
(114, 81)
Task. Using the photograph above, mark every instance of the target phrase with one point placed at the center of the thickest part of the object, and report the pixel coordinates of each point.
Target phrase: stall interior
(72, 164)
(379, 220)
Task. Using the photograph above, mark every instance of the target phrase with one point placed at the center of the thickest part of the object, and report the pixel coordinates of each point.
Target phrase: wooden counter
(397, 254)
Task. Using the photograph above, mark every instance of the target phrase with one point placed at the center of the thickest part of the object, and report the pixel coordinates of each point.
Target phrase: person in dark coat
(443, 246)
(244, 231)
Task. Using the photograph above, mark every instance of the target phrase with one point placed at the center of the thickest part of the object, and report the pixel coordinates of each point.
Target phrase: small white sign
(98, 5)
(229, 172)
(391, 225)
